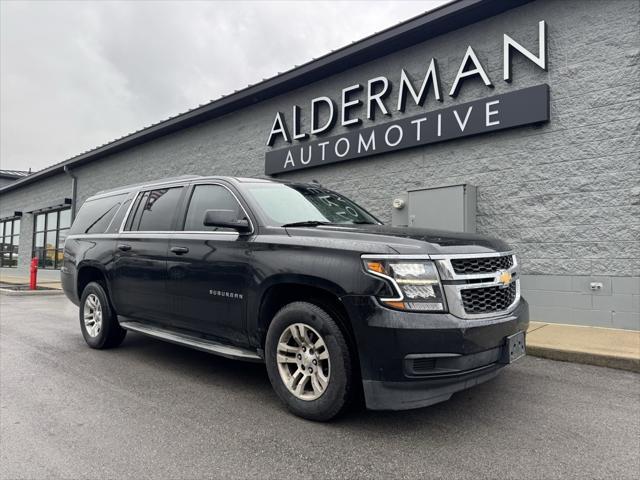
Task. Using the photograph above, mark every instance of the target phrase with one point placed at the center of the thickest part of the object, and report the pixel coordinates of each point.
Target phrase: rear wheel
(309, 361)
(98, 322)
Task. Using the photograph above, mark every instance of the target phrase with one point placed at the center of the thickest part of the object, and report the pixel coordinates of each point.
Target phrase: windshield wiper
(306, 223)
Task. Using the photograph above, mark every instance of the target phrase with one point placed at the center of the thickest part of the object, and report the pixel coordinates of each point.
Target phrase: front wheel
(309, 361)
(98, 322)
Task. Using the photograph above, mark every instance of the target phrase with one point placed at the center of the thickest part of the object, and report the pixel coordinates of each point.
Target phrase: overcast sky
(75, 75)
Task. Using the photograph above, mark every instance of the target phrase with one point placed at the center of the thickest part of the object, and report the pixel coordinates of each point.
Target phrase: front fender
(302, 279)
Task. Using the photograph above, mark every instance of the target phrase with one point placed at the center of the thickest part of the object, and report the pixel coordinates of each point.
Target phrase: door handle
(124, 247)
(179, 250)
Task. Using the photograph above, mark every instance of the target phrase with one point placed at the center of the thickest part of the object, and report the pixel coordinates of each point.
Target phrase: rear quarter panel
(83, 251)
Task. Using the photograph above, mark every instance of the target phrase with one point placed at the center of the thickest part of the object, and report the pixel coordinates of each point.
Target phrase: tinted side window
(136, 212)
(156, 210)
(117, 220)
(209, 197)
(95, 215)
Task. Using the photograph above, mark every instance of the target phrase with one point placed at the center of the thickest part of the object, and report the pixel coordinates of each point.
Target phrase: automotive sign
(522, 107)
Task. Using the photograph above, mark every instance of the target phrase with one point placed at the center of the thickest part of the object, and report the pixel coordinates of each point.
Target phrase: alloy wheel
(303, 361)
(92, 315)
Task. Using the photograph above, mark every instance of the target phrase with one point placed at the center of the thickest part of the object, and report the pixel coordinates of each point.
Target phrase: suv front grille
(488, 299)
(464, 266)
(475, 285)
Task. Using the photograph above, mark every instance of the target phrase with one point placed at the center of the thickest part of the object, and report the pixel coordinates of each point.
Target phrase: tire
(327, 391)
(98, 322)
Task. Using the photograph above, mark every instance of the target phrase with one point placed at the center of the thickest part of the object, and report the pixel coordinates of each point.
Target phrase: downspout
(74, 191)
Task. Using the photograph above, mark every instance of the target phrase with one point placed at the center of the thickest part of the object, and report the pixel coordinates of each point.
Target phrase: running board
(202, 344)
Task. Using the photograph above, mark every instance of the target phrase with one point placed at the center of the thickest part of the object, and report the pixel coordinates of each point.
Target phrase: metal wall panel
(450, 207)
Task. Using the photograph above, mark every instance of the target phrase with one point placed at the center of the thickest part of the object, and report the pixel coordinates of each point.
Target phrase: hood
(404, 240)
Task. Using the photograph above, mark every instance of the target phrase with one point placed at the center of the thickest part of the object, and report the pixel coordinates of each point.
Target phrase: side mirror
(226, 219)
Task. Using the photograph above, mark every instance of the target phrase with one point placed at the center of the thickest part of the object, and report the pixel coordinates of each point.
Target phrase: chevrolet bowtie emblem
(504, 277)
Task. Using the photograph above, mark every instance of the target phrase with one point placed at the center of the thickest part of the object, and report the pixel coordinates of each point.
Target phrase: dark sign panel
(522, 107)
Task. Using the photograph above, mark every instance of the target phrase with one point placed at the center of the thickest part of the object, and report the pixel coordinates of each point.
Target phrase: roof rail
(160, 181)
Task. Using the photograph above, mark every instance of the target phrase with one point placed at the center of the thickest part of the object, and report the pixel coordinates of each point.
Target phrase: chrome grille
(473, 284)
(489, 299)
(481, 265)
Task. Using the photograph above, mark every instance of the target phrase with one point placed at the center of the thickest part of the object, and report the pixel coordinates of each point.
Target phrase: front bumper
(411, 360)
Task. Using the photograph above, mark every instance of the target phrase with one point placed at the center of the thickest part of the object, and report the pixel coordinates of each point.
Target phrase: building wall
(565, 194)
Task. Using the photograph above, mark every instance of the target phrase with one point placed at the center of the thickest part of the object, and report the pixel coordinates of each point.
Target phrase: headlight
(416, 282)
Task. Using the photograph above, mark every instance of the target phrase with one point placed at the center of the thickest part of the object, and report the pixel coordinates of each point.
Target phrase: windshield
(284, 204)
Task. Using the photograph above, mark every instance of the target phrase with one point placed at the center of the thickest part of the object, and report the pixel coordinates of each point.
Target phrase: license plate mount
(515, 348)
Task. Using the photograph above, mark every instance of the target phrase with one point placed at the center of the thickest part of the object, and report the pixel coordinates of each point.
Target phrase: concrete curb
(604, 347)
(29, 293)
(587, 358)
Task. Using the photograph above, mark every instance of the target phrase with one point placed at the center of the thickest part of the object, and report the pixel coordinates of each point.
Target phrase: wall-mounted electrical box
(451, 207)
(400, 210)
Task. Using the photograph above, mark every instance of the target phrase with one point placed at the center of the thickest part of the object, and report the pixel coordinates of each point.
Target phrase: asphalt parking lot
(154, 410)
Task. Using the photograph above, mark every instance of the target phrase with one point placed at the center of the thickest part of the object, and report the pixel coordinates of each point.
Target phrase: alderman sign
(364, 101)
(513, 109)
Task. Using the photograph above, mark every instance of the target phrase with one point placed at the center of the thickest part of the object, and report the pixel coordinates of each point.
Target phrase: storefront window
(51, 229)
(9, 241)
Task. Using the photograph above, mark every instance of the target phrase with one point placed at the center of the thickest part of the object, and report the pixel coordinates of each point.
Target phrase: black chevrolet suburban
(336, 304)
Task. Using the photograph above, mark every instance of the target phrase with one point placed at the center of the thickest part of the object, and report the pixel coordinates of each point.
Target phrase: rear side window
(96, 215)
(209, 197)
(154, 210)
(116, 223)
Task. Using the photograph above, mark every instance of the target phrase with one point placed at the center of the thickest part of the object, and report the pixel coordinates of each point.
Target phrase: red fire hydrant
(34, 273)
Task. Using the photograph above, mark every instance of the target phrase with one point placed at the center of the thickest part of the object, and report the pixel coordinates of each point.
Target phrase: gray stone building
(552, 170)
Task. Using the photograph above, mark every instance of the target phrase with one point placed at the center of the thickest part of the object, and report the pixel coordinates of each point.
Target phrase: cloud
(75, 75)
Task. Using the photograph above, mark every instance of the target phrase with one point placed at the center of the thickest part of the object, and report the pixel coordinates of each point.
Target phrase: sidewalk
(607, 347)
(24, 280)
